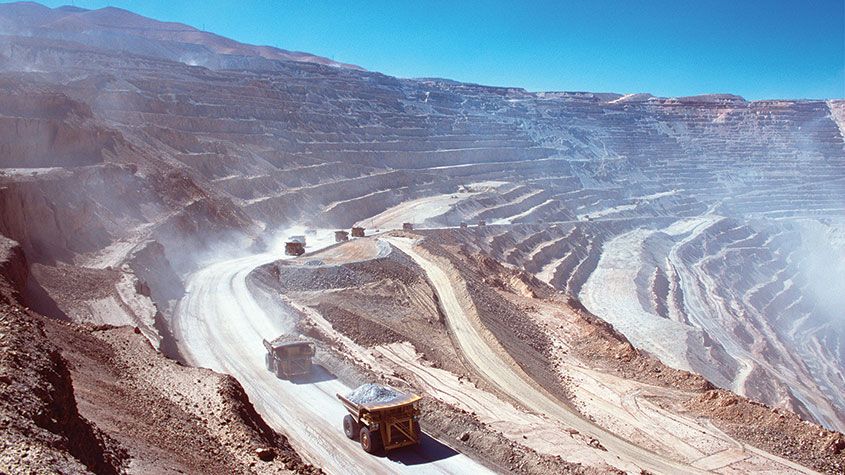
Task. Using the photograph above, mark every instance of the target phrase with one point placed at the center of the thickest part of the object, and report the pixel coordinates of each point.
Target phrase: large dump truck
(294, 248)
(289, 356)
(381, 418)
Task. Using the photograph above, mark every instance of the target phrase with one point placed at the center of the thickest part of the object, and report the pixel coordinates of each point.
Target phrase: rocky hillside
(708, 230)
(384, 310)
(126, 30)
(43, 429)
(100, 399)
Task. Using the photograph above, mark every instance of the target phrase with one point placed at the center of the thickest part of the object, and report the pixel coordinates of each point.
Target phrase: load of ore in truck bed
(372, 393)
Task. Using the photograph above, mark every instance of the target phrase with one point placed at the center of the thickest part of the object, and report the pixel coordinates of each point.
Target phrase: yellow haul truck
(289, 356)
(382, 418)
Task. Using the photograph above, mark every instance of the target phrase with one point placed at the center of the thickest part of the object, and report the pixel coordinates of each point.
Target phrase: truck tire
(370, 440)
(350, 427)
(268, 360)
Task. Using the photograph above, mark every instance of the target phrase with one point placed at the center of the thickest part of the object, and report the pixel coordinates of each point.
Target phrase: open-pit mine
(572, 282)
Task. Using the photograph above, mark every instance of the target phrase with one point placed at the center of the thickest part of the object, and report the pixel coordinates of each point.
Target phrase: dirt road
(492, 363)
(417, 211)
(219, 325)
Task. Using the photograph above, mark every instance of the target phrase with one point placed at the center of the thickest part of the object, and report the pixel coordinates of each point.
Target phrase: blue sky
(756, 48)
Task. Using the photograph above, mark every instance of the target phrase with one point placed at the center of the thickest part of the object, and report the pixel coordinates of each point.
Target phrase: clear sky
(755, 48)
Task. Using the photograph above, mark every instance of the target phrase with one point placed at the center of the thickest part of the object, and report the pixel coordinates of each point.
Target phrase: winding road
(220, 325)
(492, 363)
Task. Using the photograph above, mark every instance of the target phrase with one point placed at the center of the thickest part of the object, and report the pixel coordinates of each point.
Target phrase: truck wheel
(268, 360)
(350, 427)
(370, 441)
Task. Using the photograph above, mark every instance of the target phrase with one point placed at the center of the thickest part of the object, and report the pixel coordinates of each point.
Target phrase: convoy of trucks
(381, 418)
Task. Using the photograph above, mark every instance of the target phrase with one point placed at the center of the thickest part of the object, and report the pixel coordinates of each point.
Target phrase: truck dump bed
(375, 397)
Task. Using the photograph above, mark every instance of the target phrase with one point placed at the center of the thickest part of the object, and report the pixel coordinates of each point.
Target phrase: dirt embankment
(84, 398)
(475, 437)
(168, 417)
(41, 429)
(381, 301)
(507, 298)
(523, 339)
(778, 431)
(43, 128)
(597, 344)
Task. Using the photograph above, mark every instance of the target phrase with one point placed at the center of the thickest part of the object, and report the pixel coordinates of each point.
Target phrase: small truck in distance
(289, 356)
(294, 248)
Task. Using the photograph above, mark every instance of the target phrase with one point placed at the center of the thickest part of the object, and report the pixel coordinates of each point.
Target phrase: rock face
(719, 221)
(42, 428)
(82, 399)
(50, 130)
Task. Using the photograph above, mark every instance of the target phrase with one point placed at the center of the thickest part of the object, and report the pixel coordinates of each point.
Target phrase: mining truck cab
(382, 424)
(288, 357)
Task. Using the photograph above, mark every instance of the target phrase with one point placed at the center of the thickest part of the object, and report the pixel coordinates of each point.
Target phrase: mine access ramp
(289, 356)
(381, 418)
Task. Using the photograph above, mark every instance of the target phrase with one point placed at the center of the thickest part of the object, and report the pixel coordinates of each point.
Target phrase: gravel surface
(778, 431)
